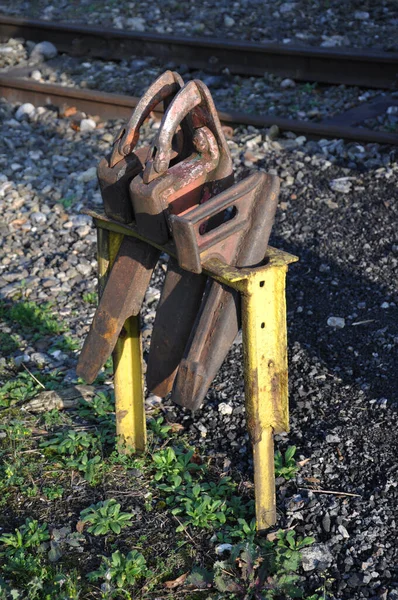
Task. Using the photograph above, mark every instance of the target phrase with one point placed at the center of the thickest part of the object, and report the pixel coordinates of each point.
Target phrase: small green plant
(39, 319)
(263, 571)
(105, 517)
(53, 492)
(68, 201)
(158, 428)
(285, 465)
(90, 297)
(22, 388)
(70, 443)
(120, 570)
(29, 535)
(169, 463)
(199, 509)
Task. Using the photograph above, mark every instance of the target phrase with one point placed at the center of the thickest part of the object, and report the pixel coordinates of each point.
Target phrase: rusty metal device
(135, 261)
(125, 162)
(184, 201)
(160, 192)
(241, 241)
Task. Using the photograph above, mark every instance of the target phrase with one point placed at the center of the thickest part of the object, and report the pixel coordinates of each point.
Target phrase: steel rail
(109, 106)
(374, 69)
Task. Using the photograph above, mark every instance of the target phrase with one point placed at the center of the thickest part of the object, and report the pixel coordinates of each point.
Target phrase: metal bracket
(262, 291)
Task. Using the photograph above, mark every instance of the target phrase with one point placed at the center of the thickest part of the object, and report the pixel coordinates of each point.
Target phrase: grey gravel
(348, 249)
(303, 22)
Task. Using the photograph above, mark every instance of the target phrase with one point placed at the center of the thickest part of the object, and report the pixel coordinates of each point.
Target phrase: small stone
(221, 548)
(324, 268)
(326, 523)
(83, 231)
(287, 83)
(332, 439)
(38, 218)
(88, 175)
(392, 110)
(21, 358)
(273, 132)
(84, 268)
(361, 15)
(16, 166)
(385, 305)
(287, 7)
(136, 23)
(36, 75)
(343, 531)
(87, 125)
(336, 322)
(316, 557)
(26, 109)
(44, 50)
(342, 185)
(228, 21)
(225, 409)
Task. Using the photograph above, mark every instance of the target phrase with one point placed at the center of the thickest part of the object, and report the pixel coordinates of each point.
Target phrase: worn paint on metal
(122, 297)
(244, 245)
(266, 378)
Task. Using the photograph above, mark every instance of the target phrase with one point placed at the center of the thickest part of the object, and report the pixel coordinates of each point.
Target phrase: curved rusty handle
(194, 98)
(182, 104)
(165, 86)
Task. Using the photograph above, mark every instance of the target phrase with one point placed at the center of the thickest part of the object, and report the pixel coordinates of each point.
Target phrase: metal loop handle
(166, 86)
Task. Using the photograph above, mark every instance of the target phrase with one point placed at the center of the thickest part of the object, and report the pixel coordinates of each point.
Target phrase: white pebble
(44, 50)
(228, 21)
(38, 217)
(287, 7)
(337, 322)
(36, 75)
(342, 185)
(25, 109)
(361, 15)
(16, 166)
(88, 175)
(287, 83)
(87, 125)
(225, 409)
(385, 305)
(136, 23)
(392, 110)
(221, 548)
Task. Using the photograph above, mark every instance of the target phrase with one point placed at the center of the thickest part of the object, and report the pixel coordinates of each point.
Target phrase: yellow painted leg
(265, 368)
(127, 361)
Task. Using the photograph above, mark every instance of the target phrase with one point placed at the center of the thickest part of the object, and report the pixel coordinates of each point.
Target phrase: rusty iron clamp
(161, 191)
(131, 272)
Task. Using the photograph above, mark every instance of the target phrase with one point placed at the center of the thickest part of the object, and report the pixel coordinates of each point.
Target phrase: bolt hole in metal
(262, 283)
(216, 220)
(262, 325)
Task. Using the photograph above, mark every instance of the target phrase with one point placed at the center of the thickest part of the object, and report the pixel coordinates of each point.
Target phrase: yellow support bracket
(127, 360)
(264, 349)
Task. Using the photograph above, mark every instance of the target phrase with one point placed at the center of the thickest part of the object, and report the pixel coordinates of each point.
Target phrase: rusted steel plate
(177, 310)
(164, 191)
(122, 298)
(218, 322)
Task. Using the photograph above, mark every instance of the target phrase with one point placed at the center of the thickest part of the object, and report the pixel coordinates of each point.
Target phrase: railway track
(338, 66)
(310, 64)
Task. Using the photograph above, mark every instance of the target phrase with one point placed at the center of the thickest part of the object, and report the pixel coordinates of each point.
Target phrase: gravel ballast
(338, 213)
(302, 22)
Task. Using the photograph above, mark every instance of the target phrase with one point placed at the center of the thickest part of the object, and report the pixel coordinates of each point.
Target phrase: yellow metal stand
(265, 357)
(127, 359)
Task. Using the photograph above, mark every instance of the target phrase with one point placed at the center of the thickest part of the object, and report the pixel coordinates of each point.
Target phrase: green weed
(120, 570)
(90, 298)
(285, 465)
(105, 517)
